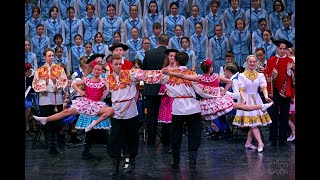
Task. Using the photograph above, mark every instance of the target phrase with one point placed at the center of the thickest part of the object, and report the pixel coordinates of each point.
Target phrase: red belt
(184, 97)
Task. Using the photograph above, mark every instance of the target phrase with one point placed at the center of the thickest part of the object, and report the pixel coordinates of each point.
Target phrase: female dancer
(89, 103)
(209, 83)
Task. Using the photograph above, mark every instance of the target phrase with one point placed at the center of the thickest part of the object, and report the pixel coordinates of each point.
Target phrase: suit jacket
(153, 60)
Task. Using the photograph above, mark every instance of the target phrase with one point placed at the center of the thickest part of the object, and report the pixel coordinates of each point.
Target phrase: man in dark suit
(153, 60)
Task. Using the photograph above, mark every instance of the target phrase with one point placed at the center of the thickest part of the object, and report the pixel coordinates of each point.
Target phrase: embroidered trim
(208, 79)
(252, 75)
(90, 84)
(124, 80)
(177, 81)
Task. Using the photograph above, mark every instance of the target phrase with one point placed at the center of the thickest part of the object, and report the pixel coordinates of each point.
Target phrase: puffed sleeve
(262, 81)
(154, 77)
(201, 91)
(62, 81)
(241, 82)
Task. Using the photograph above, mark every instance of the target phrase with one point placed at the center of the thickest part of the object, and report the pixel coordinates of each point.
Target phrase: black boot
(74, 138)
(131, 167)
(49, 142)
(86, 154)
(176, 159)
(193, 161)
(115, 167)
(61, 141)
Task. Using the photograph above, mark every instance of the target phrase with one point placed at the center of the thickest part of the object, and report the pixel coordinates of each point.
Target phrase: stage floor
(217, 159)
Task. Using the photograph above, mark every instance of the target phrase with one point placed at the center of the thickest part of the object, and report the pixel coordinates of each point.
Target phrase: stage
(217, 159)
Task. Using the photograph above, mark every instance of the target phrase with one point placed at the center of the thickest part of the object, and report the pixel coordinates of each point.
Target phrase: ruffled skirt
(216, 107)
(165, 110)
(85, 120)
(252, 118)
(86, 106)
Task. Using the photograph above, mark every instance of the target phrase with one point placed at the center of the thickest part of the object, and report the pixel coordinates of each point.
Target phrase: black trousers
(280, 117)
(153, 103)
(193, 122)
(166, 134)
(123, 129)
(51, 129)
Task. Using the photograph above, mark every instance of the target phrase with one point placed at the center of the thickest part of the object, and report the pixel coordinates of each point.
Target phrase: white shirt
(123, 101)
(180, 106)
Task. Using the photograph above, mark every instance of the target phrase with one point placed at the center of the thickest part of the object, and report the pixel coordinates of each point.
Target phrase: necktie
(71, 21)
(175, 18)
(179, 40)
(265, 46)
(194, 20)
(98, 47)
(239, 35)
(133, 22)
(87, 1)
(256, 11)
(214, 17)
(78, 48)
(279, 17)
(199, 36)
(40, 40)
(59, 60)
(54, 22)
(153, 16)
(220, 39)
(36, 21)
(287, 29)
(90, 19)
(111, 19)
(234, 12)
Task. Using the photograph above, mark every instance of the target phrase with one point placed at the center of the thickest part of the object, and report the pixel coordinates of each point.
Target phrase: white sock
(88, 128)
(43, 120)
(264, 107)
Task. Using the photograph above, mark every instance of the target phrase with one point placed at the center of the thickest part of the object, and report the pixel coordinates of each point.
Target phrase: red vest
(283, 83)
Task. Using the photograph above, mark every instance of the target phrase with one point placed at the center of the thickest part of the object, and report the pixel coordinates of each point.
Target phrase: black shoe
(115, 167)
(284, 143)
(54, 150)
(75, 141)
(130, 168)
(167, 150)
(175, 166)
(217, 136)
(151, 143)
(193, 169)
(50, 151)
(86, 156)
(271, 143)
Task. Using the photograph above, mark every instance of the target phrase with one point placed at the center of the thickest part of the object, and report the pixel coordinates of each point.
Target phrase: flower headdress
(208, 62)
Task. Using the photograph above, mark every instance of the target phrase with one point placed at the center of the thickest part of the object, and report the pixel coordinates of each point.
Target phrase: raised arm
(189, 77)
